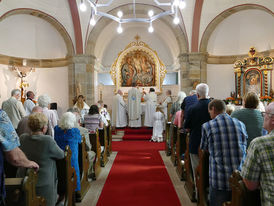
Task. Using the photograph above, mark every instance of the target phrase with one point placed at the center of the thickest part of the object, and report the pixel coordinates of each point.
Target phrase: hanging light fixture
(120, 29)
(150, 28)
(174, 6)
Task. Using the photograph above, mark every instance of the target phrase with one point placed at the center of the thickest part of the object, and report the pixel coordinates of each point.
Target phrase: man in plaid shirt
(258, 168)
(225, 138)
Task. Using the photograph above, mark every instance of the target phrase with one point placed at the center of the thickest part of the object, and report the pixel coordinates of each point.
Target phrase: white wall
(221, 80)
(237, 33)
(30, 37)
(51, 81)
(213, 8)
(57, 9)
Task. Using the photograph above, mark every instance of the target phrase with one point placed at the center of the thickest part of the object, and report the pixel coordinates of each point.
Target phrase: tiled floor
(93, 194)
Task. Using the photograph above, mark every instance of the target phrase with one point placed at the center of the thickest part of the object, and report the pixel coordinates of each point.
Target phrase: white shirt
(28, 104)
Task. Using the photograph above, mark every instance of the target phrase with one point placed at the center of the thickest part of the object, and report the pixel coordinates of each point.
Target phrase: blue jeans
(218, 197)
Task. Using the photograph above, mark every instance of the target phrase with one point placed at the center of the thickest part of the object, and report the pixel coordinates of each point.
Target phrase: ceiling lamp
(150, 28)
(120, 29)
(174, 6)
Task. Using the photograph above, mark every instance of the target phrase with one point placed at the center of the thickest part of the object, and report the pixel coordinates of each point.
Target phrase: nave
(138, 173)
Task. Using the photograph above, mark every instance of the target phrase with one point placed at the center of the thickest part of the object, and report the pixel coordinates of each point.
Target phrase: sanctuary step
(118, 136)
(142, 133)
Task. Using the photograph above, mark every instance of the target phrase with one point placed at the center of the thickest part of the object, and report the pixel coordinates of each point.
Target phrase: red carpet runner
(138, 177)
(142, 133)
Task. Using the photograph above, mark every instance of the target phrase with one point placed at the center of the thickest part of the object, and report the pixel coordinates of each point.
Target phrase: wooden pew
(167, 148)
(173, 144)
(241, 196)
(202, 178)
(104, 142)
(180, 150)
(66, 178)
(22, 191)
(189, 184)
(109, 137)
(83, 166)
(96, 147)
(167, 131)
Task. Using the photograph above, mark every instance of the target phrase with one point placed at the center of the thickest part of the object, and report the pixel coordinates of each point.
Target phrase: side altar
(140, 65)
(253, 74)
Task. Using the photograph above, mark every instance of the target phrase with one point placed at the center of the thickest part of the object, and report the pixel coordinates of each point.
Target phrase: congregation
(239, 140)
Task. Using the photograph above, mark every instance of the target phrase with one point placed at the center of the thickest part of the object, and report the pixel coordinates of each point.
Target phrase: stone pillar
(81, 78)
(193, 69)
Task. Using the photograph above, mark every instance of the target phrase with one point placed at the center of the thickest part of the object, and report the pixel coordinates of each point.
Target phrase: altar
(140, 65)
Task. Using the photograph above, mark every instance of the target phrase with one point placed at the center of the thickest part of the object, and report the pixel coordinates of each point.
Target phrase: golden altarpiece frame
(138, 64)
(253, 74)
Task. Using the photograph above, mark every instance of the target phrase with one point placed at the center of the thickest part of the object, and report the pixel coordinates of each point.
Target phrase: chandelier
(174, 6)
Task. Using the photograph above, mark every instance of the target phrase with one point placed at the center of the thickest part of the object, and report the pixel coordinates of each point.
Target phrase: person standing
(119, 112)
(42, 149)
(196, 116)
(225, 138)
(14, 107)
(134, 107)
(164, 104)
(29, 104)
(44, 102)
(82, 106)
(258, 168)
(23, 124)
(9, 149)
(158, 125)
(150, 108)
(250, 116)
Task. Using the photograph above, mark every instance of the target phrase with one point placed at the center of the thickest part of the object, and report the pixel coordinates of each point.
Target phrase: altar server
(119, 116)
(158, 125)
(29, 104)
(134, 107)
(150, 108)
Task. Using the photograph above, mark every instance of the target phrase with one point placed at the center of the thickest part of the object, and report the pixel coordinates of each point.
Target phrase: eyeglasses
(268, 114)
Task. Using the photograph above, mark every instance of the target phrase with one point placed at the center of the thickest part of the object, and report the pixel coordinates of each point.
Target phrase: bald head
(37, 109)
(120, 92)
(269, 117)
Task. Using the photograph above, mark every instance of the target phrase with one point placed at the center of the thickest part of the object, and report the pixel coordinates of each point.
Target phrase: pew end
(181, 148)
(202, 178)
(66, 178)
(84, 167)
(109, 137)
(173, 144)
(241, 196)
(96, 147)
(189, 183)
(167, 147)
(22, 191)
(104, 142)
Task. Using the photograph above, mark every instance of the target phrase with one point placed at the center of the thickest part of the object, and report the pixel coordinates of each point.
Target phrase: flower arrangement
(266, 98)
(230, 99)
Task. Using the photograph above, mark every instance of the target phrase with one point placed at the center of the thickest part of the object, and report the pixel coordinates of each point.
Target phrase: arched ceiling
(171, 36)
(109, 43)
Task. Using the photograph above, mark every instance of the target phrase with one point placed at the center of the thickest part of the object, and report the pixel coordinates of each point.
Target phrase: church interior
(98, 49)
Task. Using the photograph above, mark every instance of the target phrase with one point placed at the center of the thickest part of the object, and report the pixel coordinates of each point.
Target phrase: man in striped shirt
(258, 168)
(225, 138)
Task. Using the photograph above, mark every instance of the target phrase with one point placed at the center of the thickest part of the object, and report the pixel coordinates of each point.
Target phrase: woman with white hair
(176, 106)
(44, 102)
(66, 133)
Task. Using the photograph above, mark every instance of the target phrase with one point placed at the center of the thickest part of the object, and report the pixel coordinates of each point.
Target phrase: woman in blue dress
(66, 133)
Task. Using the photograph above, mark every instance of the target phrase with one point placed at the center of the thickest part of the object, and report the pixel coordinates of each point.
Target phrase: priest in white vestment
(134, 107)
(164, 104)
(150, 108)
(119, 116)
